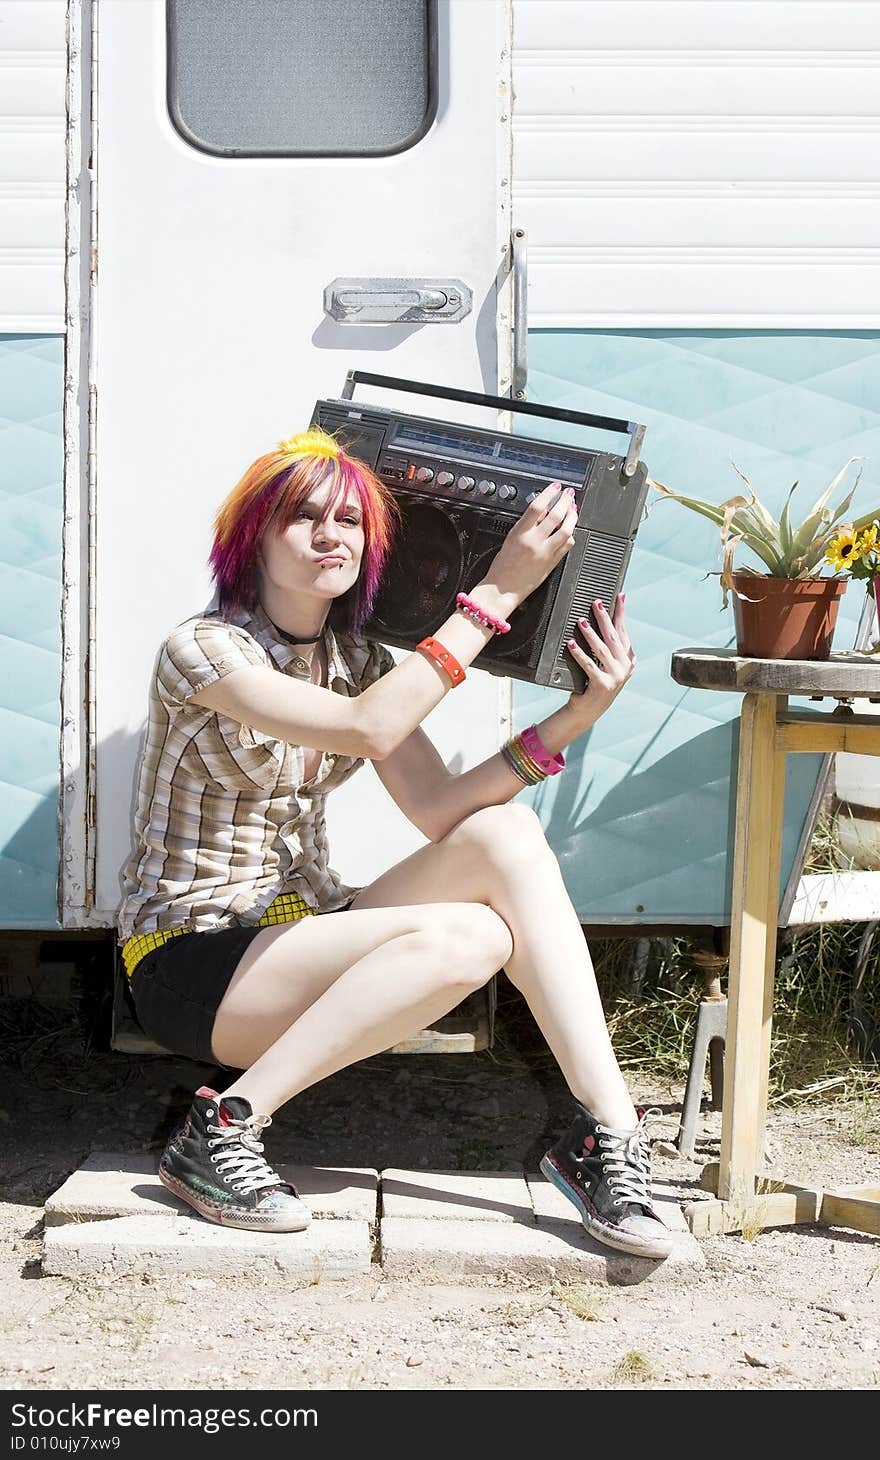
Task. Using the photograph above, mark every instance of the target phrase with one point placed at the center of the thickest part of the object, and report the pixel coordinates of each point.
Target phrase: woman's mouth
(333, 560)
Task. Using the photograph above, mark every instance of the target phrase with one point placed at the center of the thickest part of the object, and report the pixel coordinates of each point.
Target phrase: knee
(470, 943)
(504, 832)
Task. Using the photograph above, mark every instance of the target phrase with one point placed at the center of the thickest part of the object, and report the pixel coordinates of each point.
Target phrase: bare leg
(500, 856)
(309, 998)
(351, 972)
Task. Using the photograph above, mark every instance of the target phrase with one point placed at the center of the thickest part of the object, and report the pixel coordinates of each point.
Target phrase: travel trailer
(657, 210)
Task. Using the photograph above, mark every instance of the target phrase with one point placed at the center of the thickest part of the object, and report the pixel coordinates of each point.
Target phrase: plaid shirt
(224, 819)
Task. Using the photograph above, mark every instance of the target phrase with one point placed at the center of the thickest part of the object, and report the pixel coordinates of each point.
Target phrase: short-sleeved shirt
(224, 819)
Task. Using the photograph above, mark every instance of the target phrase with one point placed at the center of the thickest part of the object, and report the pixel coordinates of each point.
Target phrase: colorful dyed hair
(267, 499)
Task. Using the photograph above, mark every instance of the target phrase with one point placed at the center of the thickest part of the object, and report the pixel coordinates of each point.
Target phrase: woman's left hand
(616, 661)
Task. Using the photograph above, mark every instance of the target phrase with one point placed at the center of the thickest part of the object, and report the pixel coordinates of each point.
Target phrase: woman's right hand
(535, 544)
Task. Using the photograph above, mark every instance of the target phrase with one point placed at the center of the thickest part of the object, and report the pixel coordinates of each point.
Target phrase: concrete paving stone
(548, 1201)
(184, 1246)
(428, 1250)
(686, 1250)
(126, 1184)
(476, 1196)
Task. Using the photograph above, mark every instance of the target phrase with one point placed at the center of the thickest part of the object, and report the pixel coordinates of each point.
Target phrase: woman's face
(316, 554)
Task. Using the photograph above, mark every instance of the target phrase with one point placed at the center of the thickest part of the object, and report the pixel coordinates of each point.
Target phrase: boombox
(460, 490)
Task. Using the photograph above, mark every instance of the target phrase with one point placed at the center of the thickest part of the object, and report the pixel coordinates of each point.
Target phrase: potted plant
(788, 610)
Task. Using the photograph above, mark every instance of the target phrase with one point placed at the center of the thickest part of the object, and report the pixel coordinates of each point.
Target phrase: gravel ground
(795, 1308)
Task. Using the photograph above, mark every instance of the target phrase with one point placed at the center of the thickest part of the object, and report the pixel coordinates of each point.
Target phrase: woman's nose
(327, 530)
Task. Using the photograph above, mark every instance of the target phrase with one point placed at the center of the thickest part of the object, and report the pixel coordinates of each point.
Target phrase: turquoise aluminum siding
(31, 457)
(642, 819)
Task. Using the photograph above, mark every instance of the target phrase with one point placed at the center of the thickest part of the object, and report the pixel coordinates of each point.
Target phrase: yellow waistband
(286, 908)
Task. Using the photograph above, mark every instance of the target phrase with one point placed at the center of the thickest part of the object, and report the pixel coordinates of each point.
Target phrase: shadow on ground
(64, 1092)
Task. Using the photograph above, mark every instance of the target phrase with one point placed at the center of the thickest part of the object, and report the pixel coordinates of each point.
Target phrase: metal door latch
(397, 301)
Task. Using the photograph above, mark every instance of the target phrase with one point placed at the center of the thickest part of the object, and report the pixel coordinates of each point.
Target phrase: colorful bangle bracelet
(550, 764)
(529, 758)
(521, 763)
(447, 662)
(518, 770)
(473, 610)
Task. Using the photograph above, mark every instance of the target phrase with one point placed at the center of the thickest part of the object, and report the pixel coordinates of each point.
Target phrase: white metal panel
(663, 26)
(622, 160)
(699, 162)
(211, 343)
(29, 166)
(836, 897)
(32, 165)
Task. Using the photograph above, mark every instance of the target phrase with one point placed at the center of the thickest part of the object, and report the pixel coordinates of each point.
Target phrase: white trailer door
(247, 156)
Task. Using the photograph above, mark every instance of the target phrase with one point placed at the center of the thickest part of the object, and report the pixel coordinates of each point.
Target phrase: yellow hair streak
(311, 443)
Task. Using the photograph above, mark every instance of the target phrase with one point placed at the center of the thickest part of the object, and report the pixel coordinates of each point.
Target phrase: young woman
(262, 705)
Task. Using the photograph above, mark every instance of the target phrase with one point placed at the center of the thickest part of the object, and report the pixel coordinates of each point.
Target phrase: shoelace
(626, 1162)
(248, 1164)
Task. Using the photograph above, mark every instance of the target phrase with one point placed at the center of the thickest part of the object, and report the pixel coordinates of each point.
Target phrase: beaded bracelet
(471, 609)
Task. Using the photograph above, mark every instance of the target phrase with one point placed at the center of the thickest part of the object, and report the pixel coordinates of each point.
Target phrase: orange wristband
(441, 656)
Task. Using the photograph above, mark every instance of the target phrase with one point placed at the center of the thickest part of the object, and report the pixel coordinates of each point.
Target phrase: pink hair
(267, 498)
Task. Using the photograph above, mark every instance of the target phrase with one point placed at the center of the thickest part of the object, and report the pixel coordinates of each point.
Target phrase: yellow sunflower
(867, 543)
(842, 550)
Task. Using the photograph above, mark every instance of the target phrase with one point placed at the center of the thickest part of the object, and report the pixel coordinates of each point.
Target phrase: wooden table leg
(746, 1201)
(754, 912)
(777, 808)
(747, 1198)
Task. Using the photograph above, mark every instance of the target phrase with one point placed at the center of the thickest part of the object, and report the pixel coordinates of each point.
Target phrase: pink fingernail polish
(572, 644)
(623, 598)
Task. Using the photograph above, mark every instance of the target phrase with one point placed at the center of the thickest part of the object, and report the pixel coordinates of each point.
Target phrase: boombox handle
(632, 429)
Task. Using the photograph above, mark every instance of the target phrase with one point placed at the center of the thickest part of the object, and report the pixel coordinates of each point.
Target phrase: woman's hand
(616, 661)
(538, 540)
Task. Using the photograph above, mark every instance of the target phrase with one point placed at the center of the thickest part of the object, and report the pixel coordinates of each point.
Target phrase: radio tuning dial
(424, 474)
(444, 478)
(486, 488)
(506, 491)
(466, 484)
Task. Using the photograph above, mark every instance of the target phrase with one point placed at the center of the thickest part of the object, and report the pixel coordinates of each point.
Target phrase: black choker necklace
(295, 638)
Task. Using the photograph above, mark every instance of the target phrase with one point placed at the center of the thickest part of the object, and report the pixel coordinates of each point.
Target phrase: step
(475, 1196)
(425, 1250)
(125, 1184)
(443, 1225)
(188, 1246)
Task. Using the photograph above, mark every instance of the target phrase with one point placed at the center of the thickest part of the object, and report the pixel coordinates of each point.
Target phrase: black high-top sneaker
(215, 1163)
(607, 1174)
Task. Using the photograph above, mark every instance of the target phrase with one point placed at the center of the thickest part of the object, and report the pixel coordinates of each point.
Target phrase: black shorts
(178, 988)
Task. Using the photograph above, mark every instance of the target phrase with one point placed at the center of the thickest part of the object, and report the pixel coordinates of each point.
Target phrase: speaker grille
(423, 575)
(525, 621)
(598, 578)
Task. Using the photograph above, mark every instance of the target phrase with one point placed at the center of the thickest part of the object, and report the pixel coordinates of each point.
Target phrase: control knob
(424, 474)
(466, 484)
(486, 488)
(506, 491)
(444, 478)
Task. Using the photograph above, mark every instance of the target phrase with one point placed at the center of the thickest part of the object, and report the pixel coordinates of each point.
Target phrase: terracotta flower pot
(789, 618)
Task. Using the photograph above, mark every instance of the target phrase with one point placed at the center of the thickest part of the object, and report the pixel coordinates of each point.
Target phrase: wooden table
(746, 1195)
